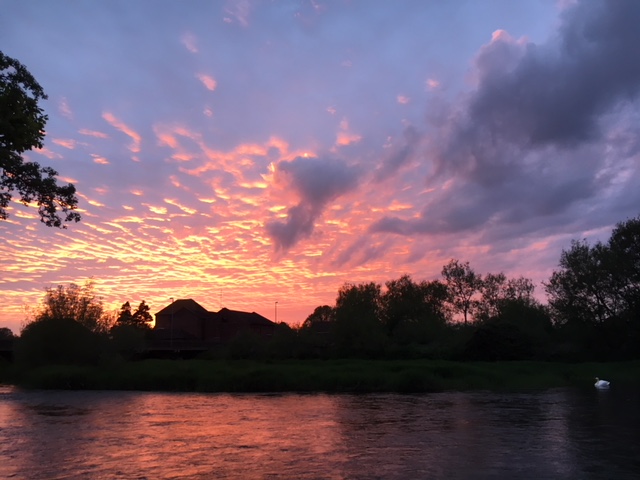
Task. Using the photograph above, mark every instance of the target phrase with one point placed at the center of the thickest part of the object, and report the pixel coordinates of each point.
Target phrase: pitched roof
(231, 316)
(246, 318)
(184, 304)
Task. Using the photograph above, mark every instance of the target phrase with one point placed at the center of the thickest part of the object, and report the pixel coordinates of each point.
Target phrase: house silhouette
(186, 321)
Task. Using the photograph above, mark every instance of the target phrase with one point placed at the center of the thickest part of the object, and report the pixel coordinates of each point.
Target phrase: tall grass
(357, 376)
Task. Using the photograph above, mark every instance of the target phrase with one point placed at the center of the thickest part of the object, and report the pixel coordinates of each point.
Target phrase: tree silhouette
(125, 317)
(357, 327)
(142, 317)
(413, 310)
(22, 124)
(595, 284)
(462, 284)
(74, 302)
(321, 318)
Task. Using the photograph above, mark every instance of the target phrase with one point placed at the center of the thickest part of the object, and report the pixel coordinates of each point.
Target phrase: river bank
(345, 375)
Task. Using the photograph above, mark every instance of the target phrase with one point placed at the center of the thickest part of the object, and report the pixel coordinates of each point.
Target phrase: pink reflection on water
(149, 435)
(141, 435)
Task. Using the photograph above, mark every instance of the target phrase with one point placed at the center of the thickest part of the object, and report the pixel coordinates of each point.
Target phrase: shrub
(498, 341)
(58, 341)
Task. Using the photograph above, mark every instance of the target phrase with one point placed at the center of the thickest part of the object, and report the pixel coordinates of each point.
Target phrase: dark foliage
(141, 318)
(58, 341)
(499, 341)
(593, 314)
(22, 126)
(128, 340)
(594, 297)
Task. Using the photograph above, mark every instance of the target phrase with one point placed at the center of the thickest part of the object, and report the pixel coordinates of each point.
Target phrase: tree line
(71, 325)
(592, 313)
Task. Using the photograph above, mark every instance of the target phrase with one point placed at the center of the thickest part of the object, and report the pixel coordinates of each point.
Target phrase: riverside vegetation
(341, 375)
(464, 331)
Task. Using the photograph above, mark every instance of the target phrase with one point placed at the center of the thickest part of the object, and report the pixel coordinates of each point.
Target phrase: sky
(243, 153)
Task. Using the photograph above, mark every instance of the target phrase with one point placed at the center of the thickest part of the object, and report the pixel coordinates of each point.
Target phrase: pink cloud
(64, 109)
(92, 133)
(190, 42)
(345, 136)
(47, 153)
(208, 81)
(432, 84)
(238, 10)
(100, 160)
(124, 128)
(65, 142)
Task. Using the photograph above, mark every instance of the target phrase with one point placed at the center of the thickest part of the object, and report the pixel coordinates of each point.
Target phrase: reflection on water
(133, 435)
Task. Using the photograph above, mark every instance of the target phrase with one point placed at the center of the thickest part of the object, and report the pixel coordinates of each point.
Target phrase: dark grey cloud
(534, 139)
(317, 182)
(555, 93)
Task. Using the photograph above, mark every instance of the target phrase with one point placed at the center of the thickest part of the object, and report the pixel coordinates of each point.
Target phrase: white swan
(601, 384)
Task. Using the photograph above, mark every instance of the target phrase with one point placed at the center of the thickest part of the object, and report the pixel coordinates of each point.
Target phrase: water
(562, 433)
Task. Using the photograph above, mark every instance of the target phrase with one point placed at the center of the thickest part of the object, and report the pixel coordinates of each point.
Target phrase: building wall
(208, 327)
(182, 321)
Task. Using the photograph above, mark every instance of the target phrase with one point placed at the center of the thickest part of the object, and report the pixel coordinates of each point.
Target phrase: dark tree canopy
(125, 316)
(357, 325)
(407, 304)
(321, 318)
(74, 302)
(599, 283)
(22, 124)
(462, 284)
(141, 318)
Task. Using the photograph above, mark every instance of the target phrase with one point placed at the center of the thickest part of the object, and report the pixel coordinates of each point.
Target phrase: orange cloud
(175, 203)
(154, 209)
(100, 160)
(68, 179)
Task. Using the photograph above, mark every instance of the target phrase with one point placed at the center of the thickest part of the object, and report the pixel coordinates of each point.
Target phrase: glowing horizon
(242, 157)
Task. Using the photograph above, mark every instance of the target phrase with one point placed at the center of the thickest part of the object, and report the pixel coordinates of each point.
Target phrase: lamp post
(171, 337)
(276, 307)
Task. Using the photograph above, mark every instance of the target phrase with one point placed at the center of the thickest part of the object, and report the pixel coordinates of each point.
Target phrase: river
(563, 434)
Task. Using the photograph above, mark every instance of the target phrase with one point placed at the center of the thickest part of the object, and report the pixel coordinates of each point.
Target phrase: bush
(58, 341)
(498, 341)
(128, 340)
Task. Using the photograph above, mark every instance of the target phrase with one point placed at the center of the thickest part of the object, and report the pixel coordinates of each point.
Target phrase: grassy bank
(357, 376)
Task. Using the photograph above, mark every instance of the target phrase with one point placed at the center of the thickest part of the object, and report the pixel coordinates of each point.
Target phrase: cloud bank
(533, 140)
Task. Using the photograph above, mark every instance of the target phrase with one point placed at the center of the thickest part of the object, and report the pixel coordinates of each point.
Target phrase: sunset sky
(243, 153)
